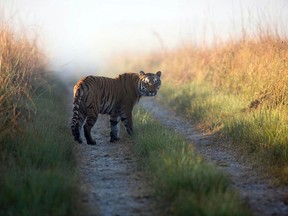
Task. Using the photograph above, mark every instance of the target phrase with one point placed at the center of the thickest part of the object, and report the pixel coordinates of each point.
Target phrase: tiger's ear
(142, 72)
(158, 73)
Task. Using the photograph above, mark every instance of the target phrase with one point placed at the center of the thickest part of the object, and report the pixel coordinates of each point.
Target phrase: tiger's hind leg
(115, 128)
(91, 120)
(77, 122)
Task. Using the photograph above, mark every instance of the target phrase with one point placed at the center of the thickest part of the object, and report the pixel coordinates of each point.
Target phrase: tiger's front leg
(115, 128)
(126, 118)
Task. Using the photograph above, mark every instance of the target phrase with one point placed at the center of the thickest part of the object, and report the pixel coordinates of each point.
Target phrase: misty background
(82, 35)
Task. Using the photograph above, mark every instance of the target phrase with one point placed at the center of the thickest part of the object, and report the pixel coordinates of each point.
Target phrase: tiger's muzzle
(151, 93)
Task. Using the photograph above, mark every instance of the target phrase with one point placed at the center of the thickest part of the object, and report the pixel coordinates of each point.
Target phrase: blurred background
(83, 35)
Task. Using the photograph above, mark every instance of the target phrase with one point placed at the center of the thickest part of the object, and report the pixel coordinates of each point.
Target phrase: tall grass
(185, 184)
(254, 67)
(37, 161)
(21, 63)
(236, 87)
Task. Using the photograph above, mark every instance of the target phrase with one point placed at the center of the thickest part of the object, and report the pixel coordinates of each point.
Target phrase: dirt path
(257, 191)
(110, 182)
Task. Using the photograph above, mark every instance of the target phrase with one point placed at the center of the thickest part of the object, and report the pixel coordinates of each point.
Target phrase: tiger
(94, 95)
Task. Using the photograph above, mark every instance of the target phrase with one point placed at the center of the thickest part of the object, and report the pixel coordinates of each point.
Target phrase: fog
(83, 34)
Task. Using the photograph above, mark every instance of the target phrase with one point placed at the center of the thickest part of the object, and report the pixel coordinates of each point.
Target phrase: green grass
(37, 166)
(262, 132)
(200, 103)
(185, 184)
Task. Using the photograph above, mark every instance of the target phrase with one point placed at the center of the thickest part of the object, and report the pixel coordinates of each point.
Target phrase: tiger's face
(149, 83)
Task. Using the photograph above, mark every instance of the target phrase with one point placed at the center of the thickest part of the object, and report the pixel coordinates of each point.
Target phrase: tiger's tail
(75, 123)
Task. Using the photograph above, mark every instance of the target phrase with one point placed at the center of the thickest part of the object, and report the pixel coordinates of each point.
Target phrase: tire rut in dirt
(110, 181)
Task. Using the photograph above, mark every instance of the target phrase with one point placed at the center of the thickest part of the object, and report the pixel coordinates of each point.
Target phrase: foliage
(182, 180)
(237, 88)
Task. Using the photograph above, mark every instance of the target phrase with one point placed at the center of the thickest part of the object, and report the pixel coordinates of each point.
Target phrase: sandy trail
(110, 182)
(255, 189)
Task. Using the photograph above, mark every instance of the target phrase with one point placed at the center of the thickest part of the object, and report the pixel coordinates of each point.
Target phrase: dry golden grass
(255, 67)
(21, 62)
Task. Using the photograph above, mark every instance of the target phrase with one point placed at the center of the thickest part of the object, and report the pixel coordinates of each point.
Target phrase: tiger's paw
(91, 142)
(79, 140)
(114, 139)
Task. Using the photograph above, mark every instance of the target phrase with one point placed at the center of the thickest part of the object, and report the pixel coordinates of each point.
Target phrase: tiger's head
(149, 83)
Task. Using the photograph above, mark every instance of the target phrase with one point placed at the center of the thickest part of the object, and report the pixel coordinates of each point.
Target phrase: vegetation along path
(110, 182)
(256, 189)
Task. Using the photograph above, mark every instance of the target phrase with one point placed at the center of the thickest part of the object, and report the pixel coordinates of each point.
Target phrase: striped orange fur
(116, 97)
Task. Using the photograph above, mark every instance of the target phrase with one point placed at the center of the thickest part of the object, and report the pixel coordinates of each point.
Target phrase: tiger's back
(101, 93)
